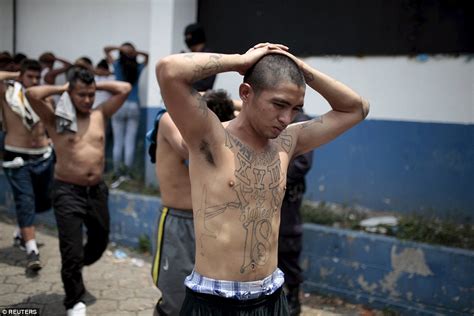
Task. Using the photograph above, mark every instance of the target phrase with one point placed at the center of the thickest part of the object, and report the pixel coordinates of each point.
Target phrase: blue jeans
(31, 187)
(124, 128)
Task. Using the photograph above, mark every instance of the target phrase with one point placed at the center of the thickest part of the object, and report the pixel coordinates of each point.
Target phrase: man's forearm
(42, 92)
(339, 96)
(114, 87)
(9, 75)
(195, 66)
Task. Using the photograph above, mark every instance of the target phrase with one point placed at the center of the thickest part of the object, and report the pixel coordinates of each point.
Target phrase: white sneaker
(119, 181)
(78, 310)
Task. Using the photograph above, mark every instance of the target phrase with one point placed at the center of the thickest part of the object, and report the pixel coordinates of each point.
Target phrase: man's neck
(242, 129)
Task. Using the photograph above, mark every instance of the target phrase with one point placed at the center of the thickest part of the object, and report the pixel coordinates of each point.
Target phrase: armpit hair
(205, 149)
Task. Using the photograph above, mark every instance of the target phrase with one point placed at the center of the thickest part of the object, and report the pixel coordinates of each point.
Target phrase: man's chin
(85, 111)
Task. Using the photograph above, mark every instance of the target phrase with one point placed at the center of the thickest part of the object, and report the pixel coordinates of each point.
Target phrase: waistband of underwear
(234, 289)
(28, 151)
(179, 212)
(78, 187)
(230, 303)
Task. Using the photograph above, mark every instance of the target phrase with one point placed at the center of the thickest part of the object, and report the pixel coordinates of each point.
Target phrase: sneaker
(77, 310)
(119, 181)
(19, 242)
(33, 262)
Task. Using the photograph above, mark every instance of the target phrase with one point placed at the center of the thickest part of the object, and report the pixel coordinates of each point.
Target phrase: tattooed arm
(348, 109)
(176, 74)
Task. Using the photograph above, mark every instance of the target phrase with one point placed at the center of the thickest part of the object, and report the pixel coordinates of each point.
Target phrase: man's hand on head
(258, 51)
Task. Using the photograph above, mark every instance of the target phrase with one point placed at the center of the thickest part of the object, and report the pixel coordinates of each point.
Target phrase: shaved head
(271, 70)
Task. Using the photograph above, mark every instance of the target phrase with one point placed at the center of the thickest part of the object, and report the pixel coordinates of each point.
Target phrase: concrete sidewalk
(116, 287)
(119, 286)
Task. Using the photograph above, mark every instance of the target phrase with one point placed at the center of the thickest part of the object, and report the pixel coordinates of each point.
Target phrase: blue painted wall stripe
(400, 166)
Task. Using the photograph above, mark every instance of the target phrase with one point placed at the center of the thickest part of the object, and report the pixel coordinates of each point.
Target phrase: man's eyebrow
(280, 100)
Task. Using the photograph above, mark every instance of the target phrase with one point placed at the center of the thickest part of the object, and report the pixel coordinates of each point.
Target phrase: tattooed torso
(238, 213)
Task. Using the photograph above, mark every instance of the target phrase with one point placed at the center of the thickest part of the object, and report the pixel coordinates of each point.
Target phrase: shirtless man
(28, 160)
(174, 256)
(49, 73)
(238, 171)
(79, 192)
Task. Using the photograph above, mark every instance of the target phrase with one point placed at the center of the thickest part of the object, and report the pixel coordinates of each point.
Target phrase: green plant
(415, 227)
(144, 244)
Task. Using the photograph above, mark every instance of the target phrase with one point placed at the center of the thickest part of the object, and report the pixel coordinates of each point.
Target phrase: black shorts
(199, 304)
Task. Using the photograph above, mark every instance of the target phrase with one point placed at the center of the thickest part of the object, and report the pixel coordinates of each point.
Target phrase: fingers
(271, 46)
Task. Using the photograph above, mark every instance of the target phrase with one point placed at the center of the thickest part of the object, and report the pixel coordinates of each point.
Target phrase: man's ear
(245, 92)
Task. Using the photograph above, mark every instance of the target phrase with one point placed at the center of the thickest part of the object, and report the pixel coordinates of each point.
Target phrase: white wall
(71, 28)
(398, 88)
(6, 25)
(168, 20)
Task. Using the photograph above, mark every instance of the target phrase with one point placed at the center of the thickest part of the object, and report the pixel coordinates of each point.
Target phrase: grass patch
(144, 244)
(414, 227)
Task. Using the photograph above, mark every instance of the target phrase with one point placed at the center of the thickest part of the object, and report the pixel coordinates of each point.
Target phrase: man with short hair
(28, 159)
(80, 195)
(174, 255)
(49, 73)
(238, 170)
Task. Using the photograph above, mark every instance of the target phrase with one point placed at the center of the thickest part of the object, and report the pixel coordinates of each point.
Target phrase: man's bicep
(112, 104)
(321, 130)
(190, 113)
(44, 109)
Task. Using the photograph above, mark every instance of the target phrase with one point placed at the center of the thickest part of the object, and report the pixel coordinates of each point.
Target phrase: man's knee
(25, 213)
(95, 249)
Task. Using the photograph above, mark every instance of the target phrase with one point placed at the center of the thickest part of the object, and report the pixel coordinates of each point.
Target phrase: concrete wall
(386, 273)
(6, 25)
(71, 29)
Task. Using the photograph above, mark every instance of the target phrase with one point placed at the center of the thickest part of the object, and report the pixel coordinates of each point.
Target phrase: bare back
(173, 174)
(80, 156)
(237, 196)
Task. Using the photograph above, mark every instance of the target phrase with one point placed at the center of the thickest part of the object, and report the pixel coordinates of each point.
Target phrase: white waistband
(28, 151)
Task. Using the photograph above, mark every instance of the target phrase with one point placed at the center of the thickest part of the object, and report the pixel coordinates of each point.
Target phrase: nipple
(231, 183)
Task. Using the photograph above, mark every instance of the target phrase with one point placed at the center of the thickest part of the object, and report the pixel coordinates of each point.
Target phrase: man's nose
(285, 117)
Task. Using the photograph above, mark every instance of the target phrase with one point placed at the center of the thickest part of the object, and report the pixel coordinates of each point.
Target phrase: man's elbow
(165, 70)
(365, 106)
(127, 87)
(359, 106)
(30, 94)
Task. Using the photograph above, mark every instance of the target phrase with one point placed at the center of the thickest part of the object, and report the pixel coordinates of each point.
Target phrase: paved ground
(120, 287)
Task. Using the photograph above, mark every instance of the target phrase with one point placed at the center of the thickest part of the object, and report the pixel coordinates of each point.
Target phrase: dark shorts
(31, 185)
(174, 258)
(198, 304)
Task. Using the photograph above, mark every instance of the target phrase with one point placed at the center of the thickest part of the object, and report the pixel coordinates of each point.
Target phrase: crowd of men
(231, 178)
